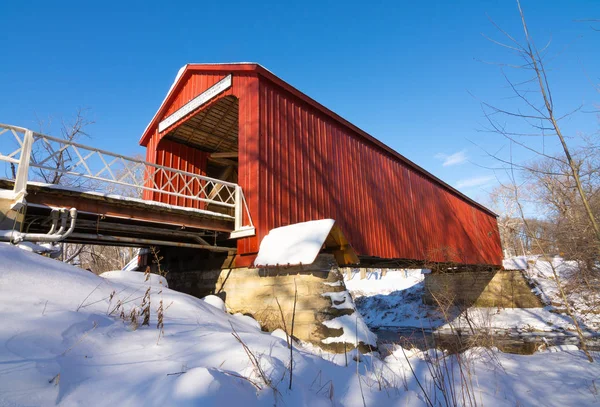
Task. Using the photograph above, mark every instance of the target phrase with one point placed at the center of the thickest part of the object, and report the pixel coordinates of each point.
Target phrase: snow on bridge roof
(300, 243)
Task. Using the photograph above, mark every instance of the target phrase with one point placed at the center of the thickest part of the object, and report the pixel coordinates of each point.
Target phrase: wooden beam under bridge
(109, 220)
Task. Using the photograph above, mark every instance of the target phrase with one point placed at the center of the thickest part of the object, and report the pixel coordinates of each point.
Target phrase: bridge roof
(252, 67)
(183, 73)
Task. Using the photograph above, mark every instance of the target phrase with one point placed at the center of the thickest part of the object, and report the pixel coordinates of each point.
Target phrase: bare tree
(594, 23)
(557, 277)
(510, 224)
(557, 195)
(61, 159)
(560, 181)
(105, 258)
(538, 112)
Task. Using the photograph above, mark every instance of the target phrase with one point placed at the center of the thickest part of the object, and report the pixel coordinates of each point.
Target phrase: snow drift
(62, 343)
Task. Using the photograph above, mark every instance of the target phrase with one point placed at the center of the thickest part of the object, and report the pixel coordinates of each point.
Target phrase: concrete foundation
(9, 218)
(503, 288)
(267, 294)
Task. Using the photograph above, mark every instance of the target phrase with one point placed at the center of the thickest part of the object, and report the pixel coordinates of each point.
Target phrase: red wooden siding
(313, 168)
(299, 162)
(176, 155)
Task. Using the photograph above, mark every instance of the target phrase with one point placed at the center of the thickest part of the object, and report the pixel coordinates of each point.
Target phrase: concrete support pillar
(503, 288)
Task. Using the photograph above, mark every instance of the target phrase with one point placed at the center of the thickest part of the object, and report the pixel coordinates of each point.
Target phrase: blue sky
(405, 72)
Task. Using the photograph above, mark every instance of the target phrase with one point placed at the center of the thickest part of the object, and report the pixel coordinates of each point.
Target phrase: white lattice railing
(30, 156)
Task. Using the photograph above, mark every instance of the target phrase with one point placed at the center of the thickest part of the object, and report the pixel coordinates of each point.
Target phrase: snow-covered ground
(394, 300)
(66, 338)
(585, 303)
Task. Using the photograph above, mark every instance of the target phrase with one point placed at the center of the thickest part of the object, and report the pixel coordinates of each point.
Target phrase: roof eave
(187, 69)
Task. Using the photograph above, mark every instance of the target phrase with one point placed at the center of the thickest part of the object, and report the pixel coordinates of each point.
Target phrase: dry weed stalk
(451, 373)
(88, 296)
(358, 361)
(157, 259)
(55, 380)
(133, 318)
(289, 335)
(145, 312)
(160, 325)
(239, 376)
(254, 361)
(80, 339)
(330, 389)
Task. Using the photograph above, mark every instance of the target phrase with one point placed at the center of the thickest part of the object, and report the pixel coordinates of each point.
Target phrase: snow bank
(391, 300)
(209, 387)
(516, 263)
(216, 302)
(585, 303)
(295, 244)
(562, 348)
(280, 333)
(377, 283)
(30, 246)
(61, 343)
(551, 379)
(135, 277)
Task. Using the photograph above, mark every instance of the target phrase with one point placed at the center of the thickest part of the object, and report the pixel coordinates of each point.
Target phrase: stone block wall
(503, 288)
(267, 294)
(9, 218)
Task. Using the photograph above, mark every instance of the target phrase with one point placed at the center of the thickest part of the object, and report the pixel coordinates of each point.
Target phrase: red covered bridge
(296, 161)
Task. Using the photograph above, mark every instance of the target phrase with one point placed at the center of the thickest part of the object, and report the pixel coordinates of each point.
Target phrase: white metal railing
(31, 156)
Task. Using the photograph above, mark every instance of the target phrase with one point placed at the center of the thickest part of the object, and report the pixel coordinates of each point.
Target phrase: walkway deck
(107, 219)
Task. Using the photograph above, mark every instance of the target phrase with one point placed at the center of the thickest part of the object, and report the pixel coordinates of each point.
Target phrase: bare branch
(507, 35)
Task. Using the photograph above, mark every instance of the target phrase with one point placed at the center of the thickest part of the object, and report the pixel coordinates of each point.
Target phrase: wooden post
(20, 187)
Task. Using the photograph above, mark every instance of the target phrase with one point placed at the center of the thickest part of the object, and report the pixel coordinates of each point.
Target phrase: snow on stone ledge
(515, 263)
(295, 244)
(355, 330)
(340, 300)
